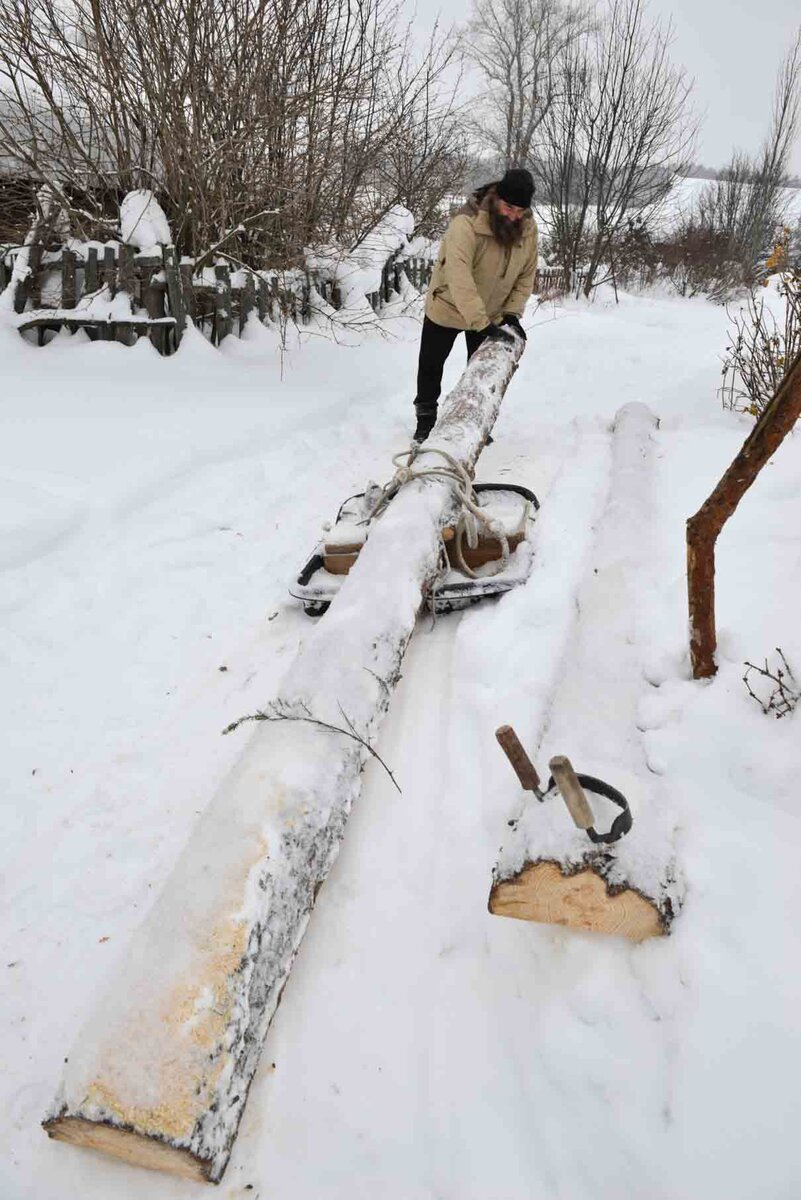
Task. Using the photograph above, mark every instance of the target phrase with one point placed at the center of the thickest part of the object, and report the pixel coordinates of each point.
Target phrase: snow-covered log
(550, 870)
(160, 1073)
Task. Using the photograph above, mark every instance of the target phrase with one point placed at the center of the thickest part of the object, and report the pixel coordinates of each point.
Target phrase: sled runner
(476, 561)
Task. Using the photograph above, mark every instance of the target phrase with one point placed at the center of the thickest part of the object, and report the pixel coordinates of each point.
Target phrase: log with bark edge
(549, 870)
(159, 1076)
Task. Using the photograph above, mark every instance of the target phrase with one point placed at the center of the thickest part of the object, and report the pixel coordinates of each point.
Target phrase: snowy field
(683, 199)
(152, 513)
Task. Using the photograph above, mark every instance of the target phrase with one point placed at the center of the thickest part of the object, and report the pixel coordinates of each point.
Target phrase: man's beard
(508, 233)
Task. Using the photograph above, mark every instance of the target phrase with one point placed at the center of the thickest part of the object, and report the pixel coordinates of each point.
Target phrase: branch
(240, 227)
(282, 710)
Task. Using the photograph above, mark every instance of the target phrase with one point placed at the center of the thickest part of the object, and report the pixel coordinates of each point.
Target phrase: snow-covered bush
(260, 127)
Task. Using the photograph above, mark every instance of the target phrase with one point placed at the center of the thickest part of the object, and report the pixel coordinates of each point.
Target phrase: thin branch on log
(281, 710)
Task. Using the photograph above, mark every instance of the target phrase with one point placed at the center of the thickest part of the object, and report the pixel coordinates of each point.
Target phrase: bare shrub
(779, 692)
(761, 350)
(264, 123)
(696, 259)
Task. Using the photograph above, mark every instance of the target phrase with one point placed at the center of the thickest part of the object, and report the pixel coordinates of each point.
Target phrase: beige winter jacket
(476, 279)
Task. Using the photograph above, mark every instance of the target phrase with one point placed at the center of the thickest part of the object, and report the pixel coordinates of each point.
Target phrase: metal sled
(513, 507)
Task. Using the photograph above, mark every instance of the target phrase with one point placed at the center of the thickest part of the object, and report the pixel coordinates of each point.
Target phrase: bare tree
(615, 137)
(518, 46)
(741, 215)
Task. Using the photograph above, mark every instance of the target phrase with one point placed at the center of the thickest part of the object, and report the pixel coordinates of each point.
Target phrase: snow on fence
(117, 294)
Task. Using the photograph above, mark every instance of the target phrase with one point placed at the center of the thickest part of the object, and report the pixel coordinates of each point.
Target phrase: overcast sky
(732, 48)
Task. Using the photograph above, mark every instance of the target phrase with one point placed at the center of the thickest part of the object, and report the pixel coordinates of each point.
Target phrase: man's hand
(494, 333)
(513, 320)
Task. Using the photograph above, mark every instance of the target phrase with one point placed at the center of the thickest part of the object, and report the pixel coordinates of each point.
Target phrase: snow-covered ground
(152, 513)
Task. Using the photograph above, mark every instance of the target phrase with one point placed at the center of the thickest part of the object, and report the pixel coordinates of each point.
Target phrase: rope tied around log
(471, 515)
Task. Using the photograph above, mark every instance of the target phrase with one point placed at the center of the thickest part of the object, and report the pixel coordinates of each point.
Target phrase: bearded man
(482, 280)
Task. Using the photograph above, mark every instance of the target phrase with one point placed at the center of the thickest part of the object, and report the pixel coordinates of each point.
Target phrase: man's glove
(495, 333)
(513, 320)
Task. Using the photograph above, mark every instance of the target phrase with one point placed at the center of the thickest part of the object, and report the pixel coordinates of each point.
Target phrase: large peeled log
(549, 869)
(161, 1071)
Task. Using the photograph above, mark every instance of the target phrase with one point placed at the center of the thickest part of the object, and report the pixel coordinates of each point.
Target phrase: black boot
(426, 420)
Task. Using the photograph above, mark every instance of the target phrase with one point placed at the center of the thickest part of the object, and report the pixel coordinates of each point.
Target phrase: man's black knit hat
(516, 187)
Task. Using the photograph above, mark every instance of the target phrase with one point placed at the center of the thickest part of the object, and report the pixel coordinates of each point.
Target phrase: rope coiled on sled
(470, 514)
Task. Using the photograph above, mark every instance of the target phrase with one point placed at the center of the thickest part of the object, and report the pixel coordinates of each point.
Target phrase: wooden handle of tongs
(572, 792)
(523, 766)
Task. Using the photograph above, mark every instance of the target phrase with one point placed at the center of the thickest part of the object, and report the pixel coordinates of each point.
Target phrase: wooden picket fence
(554, 281)
(163, 291)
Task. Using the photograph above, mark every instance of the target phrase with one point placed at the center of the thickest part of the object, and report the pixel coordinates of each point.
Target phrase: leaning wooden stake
(703, 529)
(161, 1071)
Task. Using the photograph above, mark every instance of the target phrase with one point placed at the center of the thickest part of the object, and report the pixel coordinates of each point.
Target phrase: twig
(240, 227)
(279, 710)
(784, 696)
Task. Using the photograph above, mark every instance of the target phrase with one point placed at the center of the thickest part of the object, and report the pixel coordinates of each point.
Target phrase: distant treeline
(699, 171)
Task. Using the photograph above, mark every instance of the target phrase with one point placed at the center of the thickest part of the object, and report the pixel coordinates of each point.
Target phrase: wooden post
(35, 277)
(247, 300)
(127, 274)
(188, 289)
(703, 529)
(69, 279)
(223, 316)
(108, 279)
(305, 305)
(263, 296)
(154, 300)
(175, 294)
(90, 273)
(161, 1073)
(109, 270)
(126, 282)
(26, 276)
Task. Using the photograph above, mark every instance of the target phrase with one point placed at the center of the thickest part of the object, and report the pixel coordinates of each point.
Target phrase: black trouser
(436, 344)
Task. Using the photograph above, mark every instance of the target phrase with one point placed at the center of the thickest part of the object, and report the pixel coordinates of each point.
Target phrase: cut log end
(131, 1147)
(543, 892)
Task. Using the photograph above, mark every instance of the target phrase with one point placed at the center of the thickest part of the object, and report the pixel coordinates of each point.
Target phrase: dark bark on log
(169, 1055)
(703, 529)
